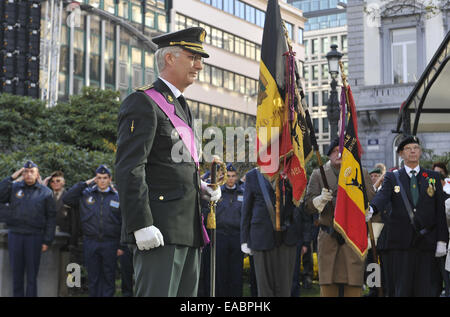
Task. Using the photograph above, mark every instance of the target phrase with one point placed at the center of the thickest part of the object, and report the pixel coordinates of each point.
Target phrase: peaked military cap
(332, 145)
(407, 140)
(190, 39)
(230, 168)
(102, 169)
(29, 164)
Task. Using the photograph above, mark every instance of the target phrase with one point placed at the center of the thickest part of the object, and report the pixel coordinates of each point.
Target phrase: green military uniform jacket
(153, 189)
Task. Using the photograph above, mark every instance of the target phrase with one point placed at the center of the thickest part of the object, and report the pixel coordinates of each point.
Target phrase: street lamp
(333, 57)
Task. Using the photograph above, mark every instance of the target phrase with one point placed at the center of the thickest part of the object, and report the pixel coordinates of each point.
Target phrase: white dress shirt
(409, 169)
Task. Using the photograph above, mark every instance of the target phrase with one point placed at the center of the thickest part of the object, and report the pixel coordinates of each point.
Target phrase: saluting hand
(46, 180)
(89, 181)
(18, 173)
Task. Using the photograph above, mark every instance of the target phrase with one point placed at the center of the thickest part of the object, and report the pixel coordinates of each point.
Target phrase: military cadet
(160, 189)
(339, 265)
(417, 226)
(273, 252)
(101, 227)
(228, 220)
(31, 225)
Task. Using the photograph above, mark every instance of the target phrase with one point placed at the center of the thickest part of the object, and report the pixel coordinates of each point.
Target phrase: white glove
(441, 249)
(214, 194)
(148, 238)
(369, 213)
(245, 249)
(320, 201)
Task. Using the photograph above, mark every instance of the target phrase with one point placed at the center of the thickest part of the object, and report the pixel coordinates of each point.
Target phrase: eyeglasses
(410, 148)
(195, 58)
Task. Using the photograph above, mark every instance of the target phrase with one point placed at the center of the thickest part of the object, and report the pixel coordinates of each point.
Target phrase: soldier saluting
(161, 197)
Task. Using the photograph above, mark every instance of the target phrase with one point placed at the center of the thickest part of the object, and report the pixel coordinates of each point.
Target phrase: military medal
(431, 187)
(430, 191)
(397, 189)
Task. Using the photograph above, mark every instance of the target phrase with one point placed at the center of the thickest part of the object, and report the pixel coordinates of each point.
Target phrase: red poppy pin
(424, 174)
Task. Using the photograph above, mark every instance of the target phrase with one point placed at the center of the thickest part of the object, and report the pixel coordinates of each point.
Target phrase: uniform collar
(175, 91)
(409, 169)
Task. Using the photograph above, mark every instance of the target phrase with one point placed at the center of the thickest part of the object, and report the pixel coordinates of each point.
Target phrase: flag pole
(369, 223)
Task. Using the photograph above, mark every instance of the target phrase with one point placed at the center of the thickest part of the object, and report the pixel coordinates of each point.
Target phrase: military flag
(281, 129)
(351, 201)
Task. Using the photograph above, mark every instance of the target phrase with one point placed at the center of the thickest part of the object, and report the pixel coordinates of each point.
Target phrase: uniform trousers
(100, 258)
(229, 268)
(274, 270)
(126, 272)
(168, 271)
(414, 273)
(24, 258)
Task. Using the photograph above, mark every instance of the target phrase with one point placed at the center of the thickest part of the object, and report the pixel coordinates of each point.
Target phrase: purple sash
(185, 132)
(183, 129)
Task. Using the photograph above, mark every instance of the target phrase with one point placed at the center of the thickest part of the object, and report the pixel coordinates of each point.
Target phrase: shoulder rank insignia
(144, 88)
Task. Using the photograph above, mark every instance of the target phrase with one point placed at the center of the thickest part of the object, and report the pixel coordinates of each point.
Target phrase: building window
(228, 6)
(344, 42)
(315, 98)
(404, 55)
(315, 72)
(300, 36)
(325, 46)
(324, 97)
(123, 9)
(150, 20)
(289, 28)
(109, 6)
(314, 46)
(325, 125)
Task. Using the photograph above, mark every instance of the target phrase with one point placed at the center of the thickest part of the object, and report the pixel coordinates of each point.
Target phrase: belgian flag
(283, 142)
(351, 201)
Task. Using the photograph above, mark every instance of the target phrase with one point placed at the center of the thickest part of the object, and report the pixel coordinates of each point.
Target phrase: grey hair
(161, 54)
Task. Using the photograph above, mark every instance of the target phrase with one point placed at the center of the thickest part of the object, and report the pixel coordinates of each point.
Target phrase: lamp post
(333, 111)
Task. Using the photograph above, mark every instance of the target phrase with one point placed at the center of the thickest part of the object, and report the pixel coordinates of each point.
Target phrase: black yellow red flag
(280, 125)
(351, 201)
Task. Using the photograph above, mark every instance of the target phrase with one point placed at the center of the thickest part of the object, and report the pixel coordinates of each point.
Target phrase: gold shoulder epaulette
(144, 88)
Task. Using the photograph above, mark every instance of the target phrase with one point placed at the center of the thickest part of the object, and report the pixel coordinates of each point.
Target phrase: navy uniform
(274, 256)
(31, 224)
(158, 193)
(229, 254)
(101, 228)
(411, 248)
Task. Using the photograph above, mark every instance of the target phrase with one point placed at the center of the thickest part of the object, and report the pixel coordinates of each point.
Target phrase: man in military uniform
(101, 226)
(160, 193)
(338, 263)
(417, 225)
(31, 225)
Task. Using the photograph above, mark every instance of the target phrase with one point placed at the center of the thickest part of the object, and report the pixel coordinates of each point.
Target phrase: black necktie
(414, 187)
(184, 105)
